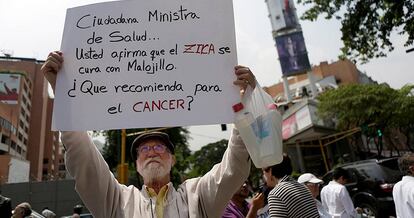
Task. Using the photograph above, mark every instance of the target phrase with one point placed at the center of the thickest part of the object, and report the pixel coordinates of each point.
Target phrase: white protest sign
(131, 64)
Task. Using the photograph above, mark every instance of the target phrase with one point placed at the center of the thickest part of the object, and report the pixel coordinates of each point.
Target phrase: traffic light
(379, 133)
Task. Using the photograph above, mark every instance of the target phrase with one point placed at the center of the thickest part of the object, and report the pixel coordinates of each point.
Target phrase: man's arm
(347, 202)
(95, 183)
(218, 186)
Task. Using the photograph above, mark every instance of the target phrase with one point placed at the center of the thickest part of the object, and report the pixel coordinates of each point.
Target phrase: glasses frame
(158, 149)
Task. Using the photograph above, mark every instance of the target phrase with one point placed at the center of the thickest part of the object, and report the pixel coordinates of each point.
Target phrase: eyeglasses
(145, 149)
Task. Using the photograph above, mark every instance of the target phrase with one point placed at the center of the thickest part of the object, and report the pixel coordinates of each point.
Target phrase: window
(4, 139)
(45, 160)
(20, 136)
(13, 145)
(19, 149)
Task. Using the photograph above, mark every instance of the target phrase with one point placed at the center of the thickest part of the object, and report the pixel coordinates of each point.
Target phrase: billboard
(282, 14)
(9, 88)
(292, 52)
(295, 123)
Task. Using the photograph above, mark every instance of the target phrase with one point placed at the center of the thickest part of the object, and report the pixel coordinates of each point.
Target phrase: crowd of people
(222, 192)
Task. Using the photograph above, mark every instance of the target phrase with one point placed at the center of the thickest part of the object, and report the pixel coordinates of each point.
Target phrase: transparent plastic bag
(260, 126)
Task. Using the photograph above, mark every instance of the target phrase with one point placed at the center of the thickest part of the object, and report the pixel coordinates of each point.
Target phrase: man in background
(313, 184)
(288, 198)
(335, 198)
(22, 210)
(238, 207)
(403, 191)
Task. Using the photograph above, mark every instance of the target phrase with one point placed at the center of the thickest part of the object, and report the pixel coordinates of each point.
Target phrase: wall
(59, 196)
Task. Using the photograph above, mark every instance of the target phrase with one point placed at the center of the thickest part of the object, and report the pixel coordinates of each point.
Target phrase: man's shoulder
(285, 186)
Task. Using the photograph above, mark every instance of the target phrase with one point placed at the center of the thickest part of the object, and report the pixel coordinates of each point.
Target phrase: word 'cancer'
(158, 105)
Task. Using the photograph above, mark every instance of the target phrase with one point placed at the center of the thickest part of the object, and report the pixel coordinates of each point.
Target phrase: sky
(32, 29)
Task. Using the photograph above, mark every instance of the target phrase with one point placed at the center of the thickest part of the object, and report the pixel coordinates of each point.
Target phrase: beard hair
(154, 171)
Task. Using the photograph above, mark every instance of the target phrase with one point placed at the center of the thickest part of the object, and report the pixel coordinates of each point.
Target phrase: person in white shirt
(403, 191)
(335, 198)
(313, 183)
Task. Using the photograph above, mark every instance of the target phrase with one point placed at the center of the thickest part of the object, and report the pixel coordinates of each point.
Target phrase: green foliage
(204, 159)
(366, 24)
(355, 105)
(358, 105)
(178, 136)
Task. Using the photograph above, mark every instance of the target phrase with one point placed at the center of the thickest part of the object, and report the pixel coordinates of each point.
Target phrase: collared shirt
(160, 199)
(290, 199)
(336, 199)
(403, 193)
(322, 211)
(233, 211)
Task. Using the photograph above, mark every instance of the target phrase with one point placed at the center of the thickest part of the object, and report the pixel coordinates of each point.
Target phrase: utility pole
(123, 168)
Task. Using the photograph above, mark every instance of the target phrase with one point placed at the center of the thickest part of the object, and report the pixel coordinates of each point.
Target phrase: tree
(404, 114)
(177, 135)
(366, 24)
(359, 105)
(204, 159)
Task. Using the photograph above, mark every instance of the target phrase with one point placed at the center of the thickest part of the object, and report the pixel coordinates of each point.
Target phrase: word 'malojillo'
(151, 67)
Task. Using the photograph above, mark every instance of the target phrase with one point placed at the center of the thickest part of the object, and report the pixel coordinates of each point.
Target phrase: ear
(173, 160)
(411, 169)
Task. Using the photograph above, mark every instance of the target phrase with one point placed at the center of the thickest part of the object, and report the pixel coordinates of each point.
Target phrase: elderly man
(403, 191)
(205, 196)
(313, 183)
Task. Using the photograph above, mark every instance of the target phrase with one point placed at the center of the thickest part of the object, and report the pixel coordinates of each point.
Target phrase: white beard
(154, 171)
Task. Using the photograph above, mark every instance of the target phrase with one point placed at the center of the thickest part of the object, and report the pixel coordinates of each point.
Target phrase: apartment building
(25, 120)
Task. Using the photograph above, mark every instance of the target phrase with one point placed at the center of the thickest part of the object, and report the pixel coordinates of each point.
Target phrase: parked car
(370, 185)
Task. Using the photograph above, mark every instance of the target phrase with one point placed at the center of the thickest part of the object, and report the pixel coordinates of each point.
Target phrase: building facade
(343, 71)
(25, 118)
(306, 137)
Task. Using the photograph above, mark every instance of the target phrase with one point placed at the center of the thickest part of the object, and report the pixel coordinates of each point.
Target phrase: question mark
(189, 103)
